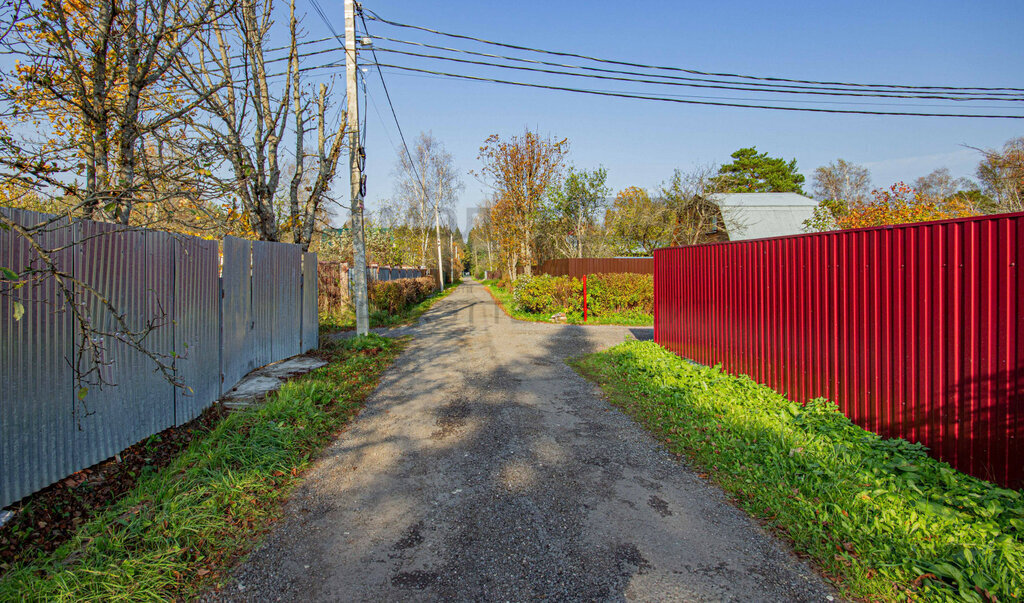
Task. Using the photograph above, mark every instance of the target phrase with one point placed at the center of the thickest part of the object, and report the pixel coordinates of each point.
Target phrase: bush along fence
(397, 295)
(212, 321)
(336, 288)
(915, 331)
(606, 294)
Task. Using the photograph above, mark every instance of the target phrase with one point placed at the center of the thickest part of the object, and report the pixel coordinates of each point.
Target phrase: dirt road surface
(484, 468)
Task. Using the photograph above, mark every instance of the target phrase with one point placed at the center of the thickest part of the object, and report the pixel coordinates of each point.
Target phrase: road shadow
(484, 468)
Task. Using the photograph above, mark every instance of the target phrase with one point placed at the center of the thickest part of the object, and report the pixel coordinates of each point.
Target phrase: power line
(695, 85)
(695, 102)
(994, 95)
(377, 17)
(387, 95)
(740, 98)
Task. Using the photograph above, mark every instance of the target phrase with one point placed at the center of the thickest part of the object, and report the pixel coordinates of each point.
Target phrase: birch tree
(428, 186)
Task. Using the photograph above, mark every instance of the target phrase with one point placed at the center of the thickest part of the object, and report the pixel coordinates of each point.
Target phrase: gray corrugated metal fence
(212, 328)
(310, 317)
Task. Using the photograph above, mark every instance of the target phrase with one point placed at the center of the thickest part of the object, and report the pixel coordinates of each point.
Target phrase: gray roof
(761, 215)
(763, 200)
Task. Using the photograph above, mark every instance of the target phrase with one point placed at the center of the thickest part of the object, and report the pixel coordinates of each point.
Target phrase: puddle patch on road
(451, 418)
(418, 579)
(659, 505)
(411, 538)
(628, 556)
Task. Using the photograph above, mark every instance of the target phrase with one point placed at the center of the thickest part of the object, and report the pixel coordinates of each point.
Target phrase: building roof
(761, 215)
(763, 200)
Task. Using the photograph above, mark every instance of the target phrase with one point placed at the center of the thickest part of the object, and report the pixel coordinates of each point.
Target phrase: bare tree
(940, 184)
(841, 180)
(248, 121)
(1001, 173)
(693, 209)
(428, 186)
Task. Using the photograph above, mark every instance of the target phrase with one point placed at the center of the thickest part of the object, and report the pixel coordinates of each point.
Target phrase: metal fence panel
(236, 312)
(310, 303)
(196, 326)
(264, 303)
(287, 317)
(915, 331)
(134, 399)
(36, 412)
(577, 267)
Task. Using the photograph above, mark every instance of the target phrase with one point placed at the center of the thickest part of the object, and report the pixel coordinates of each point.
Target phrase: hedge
(397, 295)
(613, 293)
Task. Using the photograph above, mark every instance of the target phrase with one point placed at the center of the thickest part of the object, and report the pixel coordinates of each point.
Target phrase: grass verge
(503, 298)
(880, 518)
(180, 529)
(345, 320)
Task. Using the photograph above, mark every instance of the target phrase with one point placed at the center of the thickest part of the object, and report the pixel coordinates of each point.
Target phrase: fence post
(584, 298)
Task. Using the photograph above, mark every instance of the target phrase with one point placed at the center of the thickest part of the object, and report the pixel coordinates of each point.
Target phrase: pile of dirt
(49, 518)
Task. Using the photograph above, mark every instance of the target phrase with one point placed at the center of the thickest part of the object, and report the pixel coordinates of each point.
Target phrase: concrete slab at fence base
(257, 384)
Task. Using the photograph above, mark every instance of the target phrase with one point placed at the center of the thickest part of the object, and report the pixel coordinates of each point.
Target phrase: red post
(584, 298)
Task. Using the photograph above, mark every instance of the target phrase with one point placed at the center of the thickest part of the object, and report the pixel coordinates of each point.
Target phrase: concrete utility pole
(437, 233)
(451, 255)
(355, 160)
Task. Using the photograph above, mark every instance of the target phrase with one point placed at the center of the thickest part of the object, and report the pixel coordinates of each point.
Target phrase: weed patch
(879, 516)
(506, 301)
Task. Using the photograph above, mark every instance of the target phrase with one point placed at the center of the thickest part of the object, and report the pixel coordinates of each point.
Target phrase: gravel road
(484, 468)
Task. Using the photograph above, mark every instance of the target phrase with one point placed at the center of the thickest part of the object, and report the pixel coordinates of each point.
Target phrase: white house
(761, 215)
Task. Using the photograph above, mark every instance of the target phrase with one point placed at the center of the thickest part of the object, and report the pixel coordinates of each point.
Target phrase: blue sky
(641, 142)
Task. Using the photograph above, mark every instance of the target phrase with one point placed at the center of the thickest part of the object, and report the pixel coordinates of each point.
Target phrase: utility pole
(451, 254)
(437, 233)
(356, 155)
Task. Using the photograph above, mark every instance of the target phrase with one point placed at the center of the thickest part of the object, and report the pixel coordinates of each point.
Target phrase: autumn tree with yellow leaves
(96, 97)
(519, 169)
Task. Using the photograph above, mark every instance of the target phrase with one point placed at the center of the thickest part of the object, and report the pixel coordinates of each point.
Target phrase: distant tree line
(541, 207)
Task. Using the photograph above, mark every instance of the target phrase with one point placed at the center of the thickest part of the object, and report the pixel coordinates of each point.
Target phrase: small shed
(761, 215)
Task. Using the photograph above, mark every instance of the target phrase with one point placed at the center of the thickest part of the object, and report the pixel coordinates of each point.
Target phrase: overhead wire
(994, 95)
(696, 85)
(398, 125)
(374, 16)
(693, 102)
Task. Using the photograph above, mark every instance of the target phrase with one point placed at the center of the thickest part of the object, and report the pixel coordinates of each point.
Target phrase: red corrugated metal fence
(915, 331)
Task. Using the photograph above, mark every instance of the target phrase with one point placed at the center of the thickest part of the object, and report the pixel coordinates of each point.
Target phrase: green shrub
(889, 521)
(620, 293)
(625, 293)
(397, 295)
(545, 293)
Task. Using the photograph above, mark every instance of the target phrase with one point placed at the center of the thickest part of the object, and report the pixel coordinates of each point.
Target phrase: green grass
(878, 516)
(178, 531)
(345, 320)
(504, 299)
